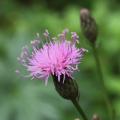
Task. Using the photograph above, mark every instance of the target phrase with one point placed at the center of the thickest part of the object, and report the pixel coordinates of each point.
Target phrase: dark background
(20, 20)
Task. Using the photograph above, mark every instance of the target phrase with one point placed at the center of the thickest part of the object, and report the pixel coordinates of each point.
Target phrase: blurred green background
(20, 20)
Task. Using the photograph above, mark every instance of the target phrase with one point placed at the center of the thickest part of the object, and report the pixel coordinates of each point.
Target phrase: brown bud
(88, 25)
(66, 87)
(95, 117)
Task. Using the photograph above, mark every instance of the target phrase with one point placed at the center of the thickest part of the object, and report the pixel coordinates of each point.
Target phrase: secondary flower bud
(66, 87)
(88, 25)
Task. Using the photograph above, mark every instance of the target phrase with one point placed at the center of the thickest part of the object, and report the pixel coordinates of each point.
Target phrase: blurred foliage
(20, 20)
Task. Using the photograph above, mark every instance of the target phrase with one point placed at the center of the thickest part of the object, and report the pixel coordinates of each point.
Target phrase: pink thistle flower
(57, 57)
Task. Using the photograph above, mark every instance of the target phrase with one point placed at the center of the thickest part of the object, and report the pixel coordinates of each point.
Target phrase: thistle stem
(78, 107)
(101, 80)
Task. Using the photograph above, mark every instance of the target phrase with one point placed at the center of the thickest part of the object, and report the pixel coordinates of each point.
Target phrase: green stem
(101, 80)
(78, 107)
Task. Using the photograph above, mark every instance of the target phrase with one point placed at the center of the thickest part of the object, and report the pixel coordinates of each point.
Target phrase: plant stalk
(101, 80)
(78, 107)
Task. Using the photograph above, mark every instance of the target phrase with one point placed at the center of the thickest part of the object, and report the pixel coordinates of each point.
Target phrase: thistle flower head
(56, 57)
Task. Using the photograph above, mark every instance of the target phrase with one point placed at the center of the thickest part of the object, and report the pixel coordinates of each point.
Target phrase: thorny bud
(66, 87)
(95, 117)
(88, 24)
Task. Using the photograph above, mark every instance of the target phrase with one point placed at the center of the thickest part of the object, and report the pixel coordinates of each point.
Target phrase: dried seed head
(88, 25)
(66, 87)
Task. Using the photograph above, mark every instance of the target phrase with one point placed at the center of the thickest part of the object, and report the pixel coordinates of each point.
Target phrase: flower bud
(95, 117)
(77, 119)
(88, 25)
(66, 87)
